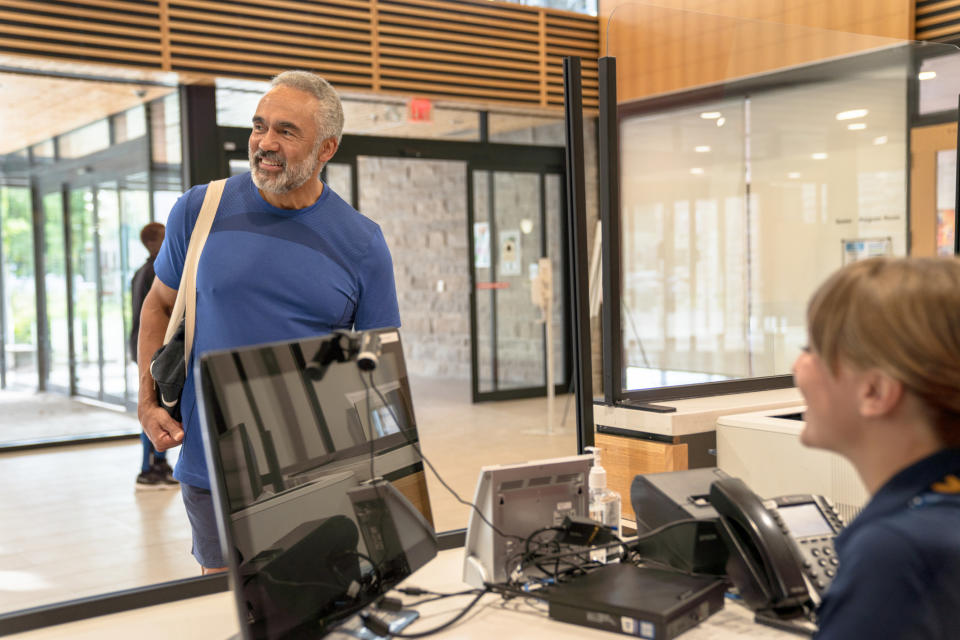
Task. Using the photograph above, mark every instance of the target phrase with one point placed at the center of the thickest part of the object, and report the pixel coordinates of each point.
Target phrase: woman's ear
(878, 394)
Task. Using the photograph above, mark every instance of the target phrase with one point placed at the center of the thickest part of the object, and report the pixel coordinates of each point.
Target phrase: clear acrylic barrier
(755, 159)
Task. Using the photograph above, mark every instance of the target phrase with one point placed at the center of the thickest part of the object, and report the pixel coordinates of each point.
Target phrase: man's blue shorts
(203, 521)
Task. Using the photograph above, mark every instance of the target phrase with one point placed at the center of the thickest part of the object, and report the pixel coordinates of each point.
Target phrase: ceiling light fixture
(697, 171)
(702, 148)
(851, 114)
(710, 115)
(880, 140)
(926, 75)
(820, 155)
(857, 126)
(793, 175)
(720, 121)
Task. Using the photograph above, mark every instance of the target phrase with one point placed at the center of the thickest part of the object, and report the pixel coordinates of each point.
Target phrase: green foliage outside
(15, 219)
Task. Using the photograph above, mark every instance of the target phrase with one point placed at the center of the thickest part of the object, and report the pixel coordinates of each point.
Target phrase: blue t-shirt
(269, 274)
(899, 571)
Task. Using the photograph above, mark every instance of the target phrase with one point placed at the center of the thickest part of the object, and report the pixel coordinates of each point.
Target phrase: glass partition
(78, 175)
(755, 158)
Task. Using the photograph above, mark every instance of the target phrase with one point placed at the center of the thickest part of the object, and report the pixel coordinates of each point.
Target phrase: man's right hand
(164, 432)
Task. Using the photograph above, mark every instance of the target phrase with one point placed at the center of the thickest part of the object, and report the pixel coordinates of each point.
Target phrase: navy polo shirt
(899, 572)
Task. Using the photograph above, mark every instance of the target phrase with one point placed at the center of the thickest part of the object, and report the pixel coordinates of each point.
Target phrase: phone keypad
(817, 555)
(819, 560)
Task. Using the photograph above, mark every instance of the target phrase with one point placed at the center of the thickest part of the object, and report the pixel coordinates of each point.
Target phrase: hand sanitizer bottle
(604, 506)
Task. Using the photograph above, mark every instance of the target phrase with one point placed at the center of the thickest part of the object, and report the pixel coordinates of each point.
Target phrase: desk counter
(213, 617)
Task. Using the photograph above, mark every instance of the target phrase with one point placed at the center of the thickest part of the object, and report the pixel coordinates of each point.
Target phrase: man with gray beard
(286, 258)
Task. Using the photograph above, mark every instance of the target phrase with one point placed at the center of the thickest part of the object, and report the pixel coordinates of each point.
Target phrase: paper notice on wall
(510, 253)
(481, 245)
(862, 248)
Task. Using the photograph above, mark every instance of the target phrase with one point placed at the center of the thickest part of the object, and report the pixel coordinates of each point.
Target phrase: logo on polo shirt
(949, 484)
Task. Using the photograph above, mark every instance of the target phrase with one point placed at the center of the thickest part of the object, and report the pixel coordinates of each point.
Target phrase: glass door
(105, 250)
(84, 254)
(516, 220)
(134, 214)
(113, 283)
(18, 317)
(56, 335)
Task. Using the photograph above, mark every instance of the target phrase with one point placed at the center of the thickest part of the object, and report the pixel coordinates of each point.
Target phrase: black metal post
(201, 152)
(577, 250)
(609, 165)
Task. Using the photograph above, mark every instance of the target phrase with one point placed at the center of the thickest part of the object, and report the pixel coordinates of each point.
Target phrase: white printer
(763, 448)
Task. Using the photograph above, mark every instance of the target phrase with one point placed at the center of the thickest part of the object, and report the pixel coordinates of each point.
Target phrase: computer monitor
(519, 499)
(296, 434)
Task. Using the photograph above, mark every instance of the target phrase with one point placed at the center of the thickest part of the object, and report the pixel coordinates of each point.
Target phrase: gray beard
(290, 179)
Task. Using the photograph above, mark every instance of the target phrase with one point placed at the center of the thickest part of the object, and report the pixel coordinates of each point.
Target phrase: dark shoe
(163, 470)
(150, 479)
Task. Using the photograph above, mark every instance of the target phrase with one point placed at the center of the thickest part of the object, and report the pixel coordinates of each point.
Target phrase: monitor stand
(353, 628)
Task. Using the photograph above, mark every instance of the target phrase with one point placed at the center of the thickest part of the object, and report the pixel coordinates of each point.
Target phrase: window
(734, 210)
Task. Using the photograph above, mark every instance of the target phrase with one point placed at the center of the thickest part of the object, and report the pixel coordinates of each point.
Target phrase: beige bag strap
(186, 303)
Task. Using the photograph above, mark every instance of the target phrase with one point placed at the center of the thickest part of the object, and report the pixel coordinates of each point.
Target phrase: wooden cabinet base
(625, 457)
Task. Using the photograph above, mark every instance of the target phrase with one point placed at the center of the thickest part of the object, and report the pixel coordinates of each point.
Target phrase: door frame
(925, 142)
(561, 272)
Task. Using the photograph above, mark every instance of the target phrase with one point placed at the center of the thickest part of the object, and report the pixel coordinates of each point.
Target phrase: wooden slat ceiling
(937, 19)
(466, 49)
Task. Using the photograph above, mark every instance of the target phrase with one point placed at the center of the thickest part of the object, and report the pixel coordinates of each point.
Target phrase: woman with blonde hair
(881, 379)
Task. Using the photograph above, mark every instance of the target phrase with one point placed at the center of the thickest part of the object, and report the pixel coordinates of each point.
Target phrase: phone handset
(762, 562)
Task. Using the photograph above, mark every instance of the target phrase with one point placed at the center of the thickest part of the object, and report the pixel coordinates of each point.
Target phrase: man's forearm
(153, 326)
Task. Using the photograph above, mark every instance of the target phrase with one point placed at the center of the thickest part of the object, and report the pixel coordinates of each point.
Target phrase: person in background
(286, 258)
(155, 473)
(881, 379)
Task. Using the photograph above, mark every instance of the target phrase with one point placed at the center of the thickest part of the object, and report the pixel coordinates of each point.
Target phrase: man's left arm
(377, 306)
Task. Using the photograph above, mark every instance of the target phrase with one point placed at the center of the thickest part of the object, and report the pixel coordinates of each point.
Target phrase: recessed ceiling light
(880, 140)
(857, 126)
(710, 115)
(851, 114)
(697, 171)
(793, 175)
(819, 156)
(702, 148)
(926, 75)
(720, 121)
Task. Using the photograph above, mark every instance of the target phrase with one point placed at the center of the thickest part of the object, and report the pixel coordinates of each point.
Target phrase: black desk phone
(781, 550)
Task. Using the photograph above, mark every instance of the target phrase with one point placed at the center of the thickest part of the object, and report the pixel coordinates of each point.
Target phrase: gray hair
(329, 115)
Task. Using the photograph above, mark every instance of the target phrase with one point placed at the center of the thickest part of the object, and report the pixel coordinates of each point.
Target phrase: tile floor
(71, 524)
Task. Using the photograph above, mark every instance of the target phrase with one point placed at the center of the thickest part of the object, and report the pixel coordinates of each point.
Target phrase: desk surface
(213, 617)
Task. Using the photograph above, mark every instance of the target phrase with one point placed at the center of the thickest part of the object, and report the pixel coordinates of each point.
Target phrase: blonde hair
(902, 316)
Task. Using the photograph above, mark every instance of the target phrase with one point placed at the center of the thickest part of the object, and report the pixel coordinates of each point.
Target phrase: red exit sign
(419, 110)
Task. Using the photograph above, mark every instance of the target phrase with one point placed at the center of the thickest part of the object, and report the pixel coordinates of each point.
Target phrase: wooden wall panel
(465, 49)
(687, 43)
